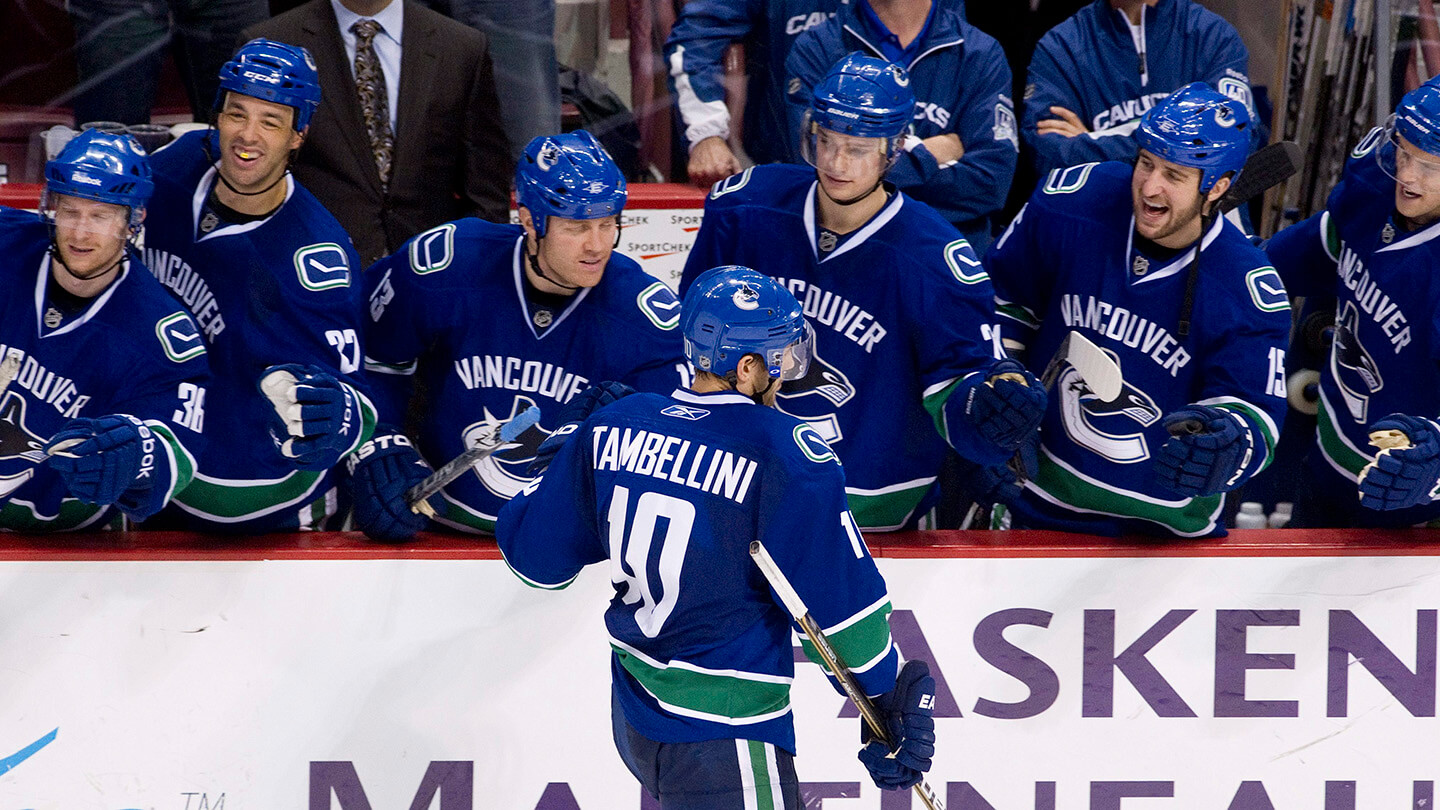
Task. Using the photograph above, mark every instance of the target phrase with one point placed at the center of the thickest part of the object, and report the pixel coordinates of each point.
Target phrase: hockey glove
(577, 410)
(1209, 451)
(907, 713)
(1406, 471)
(382, 470)
(1005, 410)
(317, 417)
(101, 459)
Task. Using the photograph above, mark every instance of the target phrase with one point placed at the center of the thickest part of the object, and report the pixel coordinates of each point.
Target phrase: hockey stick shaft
(498, 439)
(831, 659)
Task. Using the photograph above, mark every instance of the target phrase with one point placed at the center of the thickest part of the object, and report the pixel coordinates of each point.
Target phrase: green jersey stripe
(731, 697)
(1064, 486)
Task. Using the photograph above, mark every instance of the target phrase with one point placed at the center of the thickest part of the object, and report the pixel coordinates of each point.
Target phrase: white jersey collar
(1171, 267)
(1415, 239)
(575, 300)
(713, 398)
(91, 310)
(197, 204)
(883, 216)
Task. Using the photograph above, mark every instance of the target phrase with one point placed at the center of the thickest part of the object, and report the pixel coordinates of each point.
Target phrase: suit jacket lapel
(338, 96)
(417, 76)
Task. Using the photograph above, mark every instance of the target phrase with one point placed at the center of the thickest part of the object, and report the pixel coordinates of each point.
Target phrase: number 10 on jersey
(630, 553)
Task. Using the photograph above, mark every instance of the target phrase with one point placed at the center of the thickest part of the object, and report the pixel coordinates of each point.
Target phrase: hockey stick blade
(500, 439)
(9, 368)
(1099, 371)
(1270, 166)
(796, 607)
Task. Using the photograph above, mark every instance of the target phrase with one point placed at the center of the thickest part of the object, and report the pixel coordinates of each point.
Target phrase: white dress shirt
(387, 47)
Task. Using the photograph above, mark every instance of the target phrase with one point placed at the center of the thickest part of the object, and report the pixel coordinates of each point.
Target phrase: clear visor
(74, 215)
(820, 146)
(1406, 163)
(793, 361)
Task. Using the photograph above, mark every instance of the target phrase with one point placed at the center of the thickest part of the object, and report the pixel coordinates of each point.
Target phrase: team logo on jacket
(505, 472)
(1354, 370)
(17, 443)
(1106, 428)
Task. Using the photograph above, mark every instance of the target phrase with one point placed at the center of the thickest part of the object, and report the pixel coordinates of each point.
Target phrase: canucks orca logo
(505, 473)
(1350, 362)
(1086, 417)
(17, 442)
(746, 297)
(825, 381)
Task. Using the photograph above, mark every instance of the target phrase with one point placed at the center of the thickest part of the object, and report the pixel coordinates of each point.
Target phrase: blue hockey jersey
(695, 61)
(450, 306)
(962, 86)
(701, 645)
(132, 350)
(279, 290)
(1069, 262)
(904, 319)
(1091, 65)
(1387, 321)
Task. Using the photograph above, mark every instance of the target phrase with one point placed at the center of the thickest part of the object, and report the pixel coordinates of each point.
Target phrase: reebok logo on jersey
(686, 412)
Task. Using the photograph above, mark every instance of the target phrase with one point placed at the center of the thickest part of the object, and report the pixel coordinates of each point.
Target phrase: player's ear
(526, 221)
(1218, 190)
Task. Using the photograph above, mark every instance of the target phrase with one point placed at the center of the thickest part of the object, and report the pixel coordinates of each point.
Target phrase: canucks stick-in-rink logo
(505, 473)
(1106, 428)
(1354, 370)
(815, 396)
(17, 443)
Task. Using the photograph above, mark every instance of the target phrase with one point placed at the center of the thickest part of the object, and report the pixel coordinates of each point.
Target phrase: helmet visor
(793, 361)
(1406, 164)
(77, 215)
(821, 147)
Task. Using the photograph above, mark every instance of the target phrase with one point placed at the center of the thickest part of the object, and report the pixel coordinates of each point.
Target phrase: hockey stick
(831, 659)
(9, 367)
(498, 439)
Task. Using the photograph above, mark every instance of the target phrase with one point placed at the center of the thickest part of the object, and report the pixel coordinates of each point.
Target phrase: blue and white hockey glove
(1005, 410)
(1406, 472)
(104, 458)
(577, 410)
(382, 470)
(907, 711)
(1209, 451)
(317, 417)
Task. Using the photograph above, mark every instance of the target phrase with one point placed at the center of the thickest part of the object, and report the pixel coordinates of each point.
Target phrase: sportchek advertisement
(1109, 684)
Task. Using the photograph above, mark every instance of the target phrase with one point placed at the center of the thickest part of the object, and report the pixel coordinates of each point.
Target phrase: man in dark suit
(409, 135)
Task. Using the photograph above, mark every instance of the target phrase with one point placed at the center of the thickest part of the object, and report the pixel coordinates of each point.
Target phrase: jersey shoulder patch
(179, 337)
(433, 250)
(812, 445)
(960, 258)
(1069, 179)
(1267, 291)
(660, 305)
(323, 266)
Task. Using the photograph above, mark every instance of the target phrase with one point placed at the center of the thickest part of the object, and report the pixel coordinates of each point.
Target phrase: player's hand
(316, 416)
(382, 470)
(1067, 124)
(577, 410)
(908, 714)
(100, 459)
(945, 148)
(1208, 452)
(1008, 406)
(711, 161)
(1406, 471)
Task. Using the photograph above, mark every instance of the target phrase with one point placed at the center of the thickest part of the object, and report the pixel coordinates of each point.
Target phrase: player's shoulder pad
(182, 160)
(437, 249)
(926, 238)
(768, 184)
(1255, 281)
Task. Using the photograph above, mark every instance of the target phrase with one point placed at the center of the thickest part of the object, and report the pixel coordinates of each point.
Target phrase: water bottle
(1280, 518)
(1250, 516)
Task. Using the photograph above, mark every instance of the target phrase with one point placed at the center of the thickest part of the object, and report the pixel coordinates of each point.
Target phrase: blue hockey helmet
(732, 311)
(864, 97)
(1198, 126)
(569, 176)
(1417, 120)
(102, 166)
(273, 71)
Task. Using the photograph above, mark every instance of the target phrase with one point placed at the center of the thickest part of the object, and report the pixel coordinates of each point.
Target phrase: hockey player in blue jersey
(1373, 248)
(702, 662)
(1110, 251)
(695, 61)
(1092, 76)
(273, 283)
(495, 318)
(104, 375)
(905, 355)
(961, 148)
